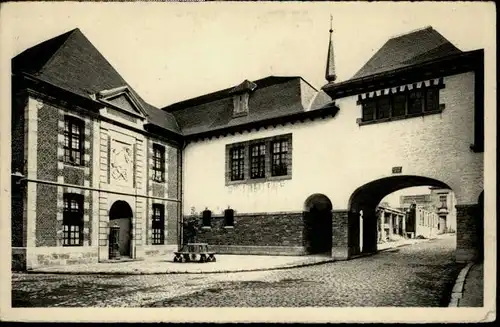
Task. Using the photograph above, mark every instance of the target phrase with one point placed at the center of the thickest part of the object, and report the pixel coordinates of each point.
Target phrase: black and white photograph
(248, 161)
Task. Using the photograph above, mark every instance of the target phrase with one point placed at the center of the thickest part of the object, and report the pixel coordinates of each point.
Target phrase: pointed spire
(330, 62)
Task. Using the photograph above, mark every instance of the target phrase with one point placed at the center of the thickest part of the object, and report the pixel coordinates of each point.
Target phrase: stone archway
(317, 234)
(121, 214)
(366, 198)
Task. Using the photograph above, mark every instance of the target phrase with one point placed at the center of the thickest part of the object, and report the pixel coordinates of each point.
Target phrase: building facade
(87, 153)
(412, 116)
(272, 166)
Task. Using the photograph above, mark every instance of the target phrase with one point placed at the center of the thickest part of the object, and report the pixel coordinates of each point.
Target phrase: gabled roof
(272, 98)
(71, 62)
(221, 94)
(407, 50)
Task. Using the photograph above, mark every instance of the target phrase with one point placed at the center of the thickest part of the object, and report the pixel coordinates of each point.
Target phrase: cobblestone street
(420, 275)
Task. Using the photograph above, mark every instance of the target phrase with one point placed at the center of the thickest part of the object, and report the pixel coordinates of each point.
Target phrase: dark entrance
(318, 224)
(121, 214)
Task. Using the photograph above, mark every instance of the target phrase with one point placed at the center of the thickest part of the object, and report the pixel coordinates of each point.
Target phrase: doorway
(120, 214)
(318, 225)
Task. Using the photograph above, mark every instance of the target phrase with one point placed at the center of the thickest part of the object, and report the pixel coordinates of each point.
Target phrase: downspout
(180, 227)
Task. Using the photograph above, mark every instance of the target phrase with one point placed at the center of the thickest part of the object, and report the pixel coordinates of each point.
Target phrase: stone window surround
(247, 144)
(161, 222)
(161, 170)
(406, 90)
(76, 218)
(80, 123)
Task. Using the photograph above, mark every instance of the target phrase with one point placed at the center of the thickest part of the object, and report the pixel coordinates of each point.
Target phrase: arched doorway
(366, 198)
(318, 224)
(121, 214)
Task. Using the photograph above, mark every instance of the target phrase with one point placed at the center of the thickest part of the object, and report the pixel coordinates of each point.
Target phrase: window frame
(258, 160)
(265, 160)
(281, 155)
(240, 163)
(72, 218)
(370, 106)
(158, 171)
(69, 149)
(158, 224)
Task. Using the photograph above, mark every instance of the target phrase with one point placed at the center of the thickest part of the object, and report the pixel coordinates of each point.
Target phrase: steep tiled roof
(70, 61)
(273, 97)
(407, 50)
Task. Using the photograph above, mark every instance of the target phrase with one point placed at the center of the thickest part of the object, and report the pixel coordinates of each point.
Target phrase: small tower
(330, 62)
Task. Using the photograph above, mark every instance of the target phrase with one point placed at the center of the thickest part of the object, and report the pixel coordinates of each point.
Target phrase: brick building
(87, 152)
(268, 166)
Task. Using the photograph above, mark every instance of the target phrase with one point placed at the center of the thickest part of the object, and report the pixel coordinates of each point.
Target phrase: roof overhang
(446, 66)
(329, 110)
(45, 89)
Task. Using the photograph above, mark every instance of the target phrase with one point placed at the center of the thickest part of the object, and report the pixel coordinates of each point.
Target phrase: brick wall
(263, 229)
(469, 233)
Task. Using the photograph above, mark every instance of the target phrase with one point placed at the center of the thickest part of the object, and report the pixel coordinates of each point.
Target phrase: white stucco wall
(335, 156)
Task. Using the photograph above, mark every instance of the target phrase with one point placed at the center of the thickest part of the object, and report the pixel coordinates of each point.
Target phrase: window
(383, 107)
(158, 163)
(423, 100)
(240, 102)
(415, 102)
(258, 161)
(279, 157)
(399, 105)
(443, 201)
(229, 217)
(73, 140)
(158, 224)
(368, 110)
(431, 100)
(73, 220)
(207, 218)
(237, 163)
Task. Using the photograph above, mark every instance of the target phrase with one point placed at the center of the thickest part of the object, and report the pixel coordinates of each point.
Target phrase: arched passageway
(366, 198)
(121, 214)
(318, 224)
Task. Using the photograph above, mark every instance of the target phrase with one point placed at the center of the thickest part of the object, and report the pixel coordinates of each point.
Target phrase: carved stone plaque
(121, 164)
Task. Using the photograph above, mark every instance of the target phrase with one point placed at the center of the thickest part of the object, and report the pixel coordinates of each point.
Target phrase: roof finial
(330, 62)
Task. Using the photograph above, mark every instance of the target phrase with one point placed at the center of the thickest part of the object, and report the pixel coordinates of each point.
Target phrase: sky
(169, 52)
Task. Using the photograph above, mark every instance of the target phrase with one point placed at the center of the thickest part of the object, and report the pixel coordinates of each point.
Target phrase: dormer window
(241, 95)
(240, 102)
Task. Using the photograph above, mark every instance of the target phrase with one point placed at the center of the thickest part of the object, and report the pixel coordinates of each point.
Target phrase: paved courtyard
(419, 275)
